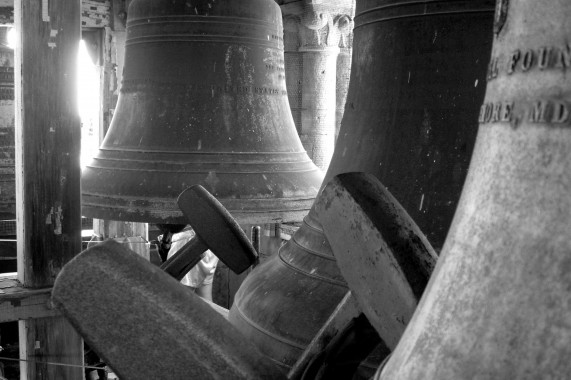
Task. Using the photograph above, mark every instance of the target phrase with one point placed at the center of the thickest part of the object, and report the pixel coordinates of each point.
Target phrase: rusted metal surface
(215, 230)
(417, 82)
(203, 101)
(146, 325)
(498, 305)
(382, 254)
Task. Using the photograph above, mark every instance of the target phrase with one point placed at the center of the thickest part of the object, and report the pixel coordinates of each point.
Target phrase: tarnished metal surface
(285, 300)
(382, 254)
(411, 112)
(146, 325)
(499, 303)
(417, 82)
(203, 101)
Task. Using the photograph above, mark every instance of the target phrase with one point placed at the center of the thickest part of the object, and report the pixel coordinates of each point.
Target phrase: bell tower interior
(285, 189)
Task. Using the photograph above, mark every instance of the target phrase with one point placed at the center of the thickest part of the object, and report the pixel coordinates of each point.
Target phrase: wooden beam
(52, 353)
(48, 173)
(47, 139)
(18, 303)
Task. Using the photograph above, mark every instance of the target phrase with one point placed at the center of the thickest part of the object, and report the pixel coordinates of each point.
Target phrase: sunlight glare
(88, 102)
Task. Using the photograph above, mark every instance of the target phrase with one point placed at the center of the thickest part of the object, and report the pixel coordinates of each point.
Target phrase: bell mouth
(253, 191)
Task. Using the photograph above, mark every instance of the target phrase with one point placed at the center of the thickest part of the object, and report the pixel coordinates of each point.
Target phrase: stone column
(313, 35)
(318, 89)
(345, 24)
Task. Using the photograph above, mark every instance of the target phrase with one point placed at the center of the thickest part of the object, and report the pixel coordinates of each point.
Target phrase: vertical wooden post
(48, 173)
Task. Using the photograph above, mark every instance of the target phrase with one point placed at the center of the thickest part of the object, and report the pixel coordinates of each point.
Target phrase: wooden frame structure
(48, 133)
(48, 201)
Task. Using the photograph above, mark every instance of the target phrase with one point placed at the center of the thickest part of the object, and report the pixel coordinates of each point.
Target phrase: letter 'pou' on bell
(203, 101)
(498, 305)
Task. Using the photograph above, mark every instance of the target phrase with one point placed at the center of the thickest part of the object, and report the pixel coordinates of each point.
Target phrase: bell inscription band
(498, 305)
(203, 101)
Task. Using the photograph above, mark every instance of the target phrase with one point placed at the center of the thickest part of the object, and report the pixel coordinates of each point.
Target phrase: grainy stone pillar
(345, 24)
(314, 34)
(318, 89)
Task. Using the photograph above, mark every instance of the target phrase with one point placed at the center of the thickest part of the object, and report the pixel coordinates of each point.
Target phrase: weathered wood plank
(48, 207)
(47, 341)
(47, 139)
(17, 302)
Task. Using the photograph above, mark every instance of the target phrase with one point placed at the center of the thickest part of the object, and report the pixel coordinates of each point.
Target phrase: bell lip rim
(165, 210)
(241, 217)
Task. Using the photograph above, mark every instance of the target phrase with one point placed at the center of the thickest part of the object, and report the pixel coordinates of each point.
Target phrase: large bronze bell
(498, 305)
(203, 101)
(417, 81)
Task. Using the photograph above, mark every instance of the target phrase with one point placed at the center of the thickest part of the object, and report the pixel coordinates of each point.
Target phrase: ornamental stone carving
(318, 42)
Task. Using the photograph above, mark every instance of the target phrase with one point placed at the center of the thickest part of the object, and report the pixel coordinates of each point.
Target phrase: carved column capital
(345, 24)
(324, 28)
(315, 32)
(319, 25)
(315, 19)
